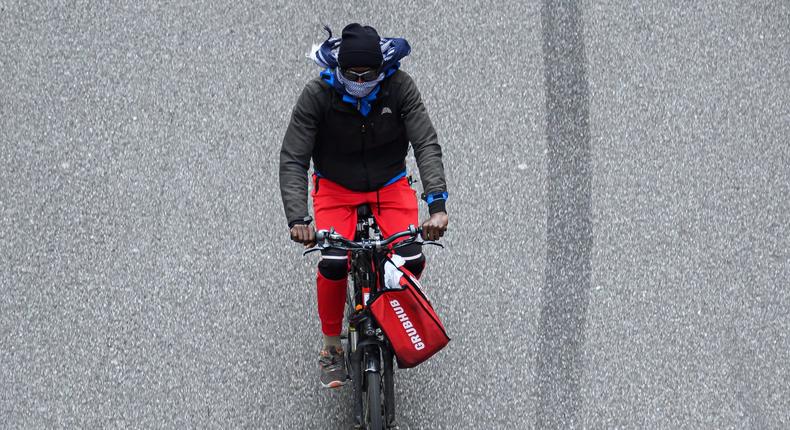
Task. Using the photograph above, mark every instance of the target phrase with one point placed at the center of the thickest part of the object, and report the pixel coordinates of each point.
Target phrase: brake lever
(321, 248)
(431, 242)
(313, 249)
(405, 243)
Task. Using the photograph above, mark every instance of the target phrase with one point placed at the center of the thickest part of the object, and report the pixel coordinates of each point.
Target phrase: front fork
(365, 357)
(366, 353)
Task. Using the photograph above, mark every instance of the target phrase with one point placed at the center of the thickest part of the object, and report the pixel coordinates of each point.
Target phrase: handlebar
(324, 235)
(330, 239)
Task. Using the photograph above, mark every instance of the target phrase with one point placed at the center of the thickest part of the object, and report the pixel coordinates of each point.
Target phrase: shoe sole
(334, 384)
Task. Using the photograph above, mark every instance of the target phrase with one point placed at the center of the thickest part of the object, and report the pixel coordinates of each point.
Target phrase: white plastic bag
(391, 273)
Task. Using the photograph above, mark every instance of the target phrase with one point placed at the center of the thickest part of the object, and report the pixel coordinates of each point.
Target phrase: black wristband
(300, 221)
(437, 206)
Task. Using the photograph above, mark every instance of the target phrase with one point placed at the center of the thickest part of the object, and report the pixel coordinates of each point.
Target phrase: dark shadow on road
(569, 226)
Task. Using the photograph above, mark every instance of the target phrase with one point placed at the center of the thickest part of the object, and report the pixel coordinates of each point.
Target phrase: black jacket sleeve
(425, 142)
(296, 151)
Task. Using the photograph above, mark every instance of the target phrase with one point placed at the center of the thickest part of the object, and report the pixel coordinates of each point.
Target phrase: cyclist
(355, 121)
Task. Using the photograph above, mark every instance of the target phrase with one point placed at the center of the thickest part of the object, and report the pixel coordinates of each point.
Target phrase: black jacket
(360, 153)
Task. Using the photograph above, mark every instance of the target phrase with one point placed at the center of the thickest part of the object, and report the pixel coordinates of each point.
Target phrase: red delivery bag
(406, 316)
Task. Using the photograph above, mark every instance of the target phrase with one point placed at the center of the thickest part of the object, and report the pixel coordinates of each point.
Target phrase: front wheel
(389, 389)
(373, 407)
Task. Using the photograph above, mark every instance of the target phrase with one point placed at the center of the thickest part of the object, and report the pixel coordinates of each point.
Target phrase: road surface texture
(619, 253)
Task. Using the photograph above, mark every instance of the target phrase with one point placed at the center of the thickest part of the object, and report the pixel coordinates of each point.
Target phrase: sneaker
(333, 368)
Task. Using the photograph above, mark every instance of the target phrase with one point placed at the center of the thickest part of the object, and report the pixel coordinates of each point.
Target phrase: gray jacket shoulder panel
(297, 148)
(421, 134)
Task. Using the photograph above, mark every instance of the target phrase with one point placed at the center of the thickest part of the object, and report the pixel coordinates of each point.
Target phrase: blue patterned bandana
(358, 89)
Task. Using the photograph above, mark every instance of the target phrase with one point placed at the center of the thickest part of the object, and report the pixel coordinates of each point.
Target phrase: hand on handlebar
(434, 227)
(304, 234)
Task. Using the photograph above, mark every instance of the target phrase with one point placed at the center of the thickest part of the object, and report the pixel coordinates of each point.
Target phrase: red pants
(394, 207)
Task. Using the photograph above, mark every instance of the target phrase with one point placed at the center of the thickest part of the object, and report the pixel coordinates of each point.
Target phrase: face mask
(358, 89)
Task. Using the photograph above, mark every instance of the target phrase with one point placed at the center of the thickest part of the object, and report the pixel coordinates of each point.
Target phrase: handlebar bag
(407, 317)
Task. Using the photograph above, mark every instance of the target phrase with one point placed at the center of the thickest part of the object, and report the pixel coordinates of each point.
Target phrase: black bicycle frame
(365, 325)
(370, 354)
(364, 346)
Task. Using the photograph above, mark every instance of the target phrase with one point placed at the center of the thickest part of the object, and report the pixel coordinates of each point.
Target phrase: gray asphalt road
(618, 173)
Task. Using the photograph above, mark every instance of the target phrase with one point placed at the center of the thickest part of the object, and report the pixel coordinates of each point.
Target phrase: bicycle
(365, 343)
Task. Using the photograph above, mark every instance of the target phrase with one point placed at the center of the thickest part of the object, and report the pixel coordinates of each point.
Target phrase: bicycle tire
(373, 416)
(355, 369)
(389, 389)
(354, 366)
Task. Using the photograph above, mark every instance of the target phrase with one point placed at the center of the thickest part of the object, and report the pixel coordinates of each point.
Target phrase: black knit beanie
(359, 46)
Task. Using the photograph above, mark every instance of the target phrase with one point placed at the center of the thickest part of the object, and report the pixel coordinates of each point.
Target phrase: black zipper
(364, 163)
